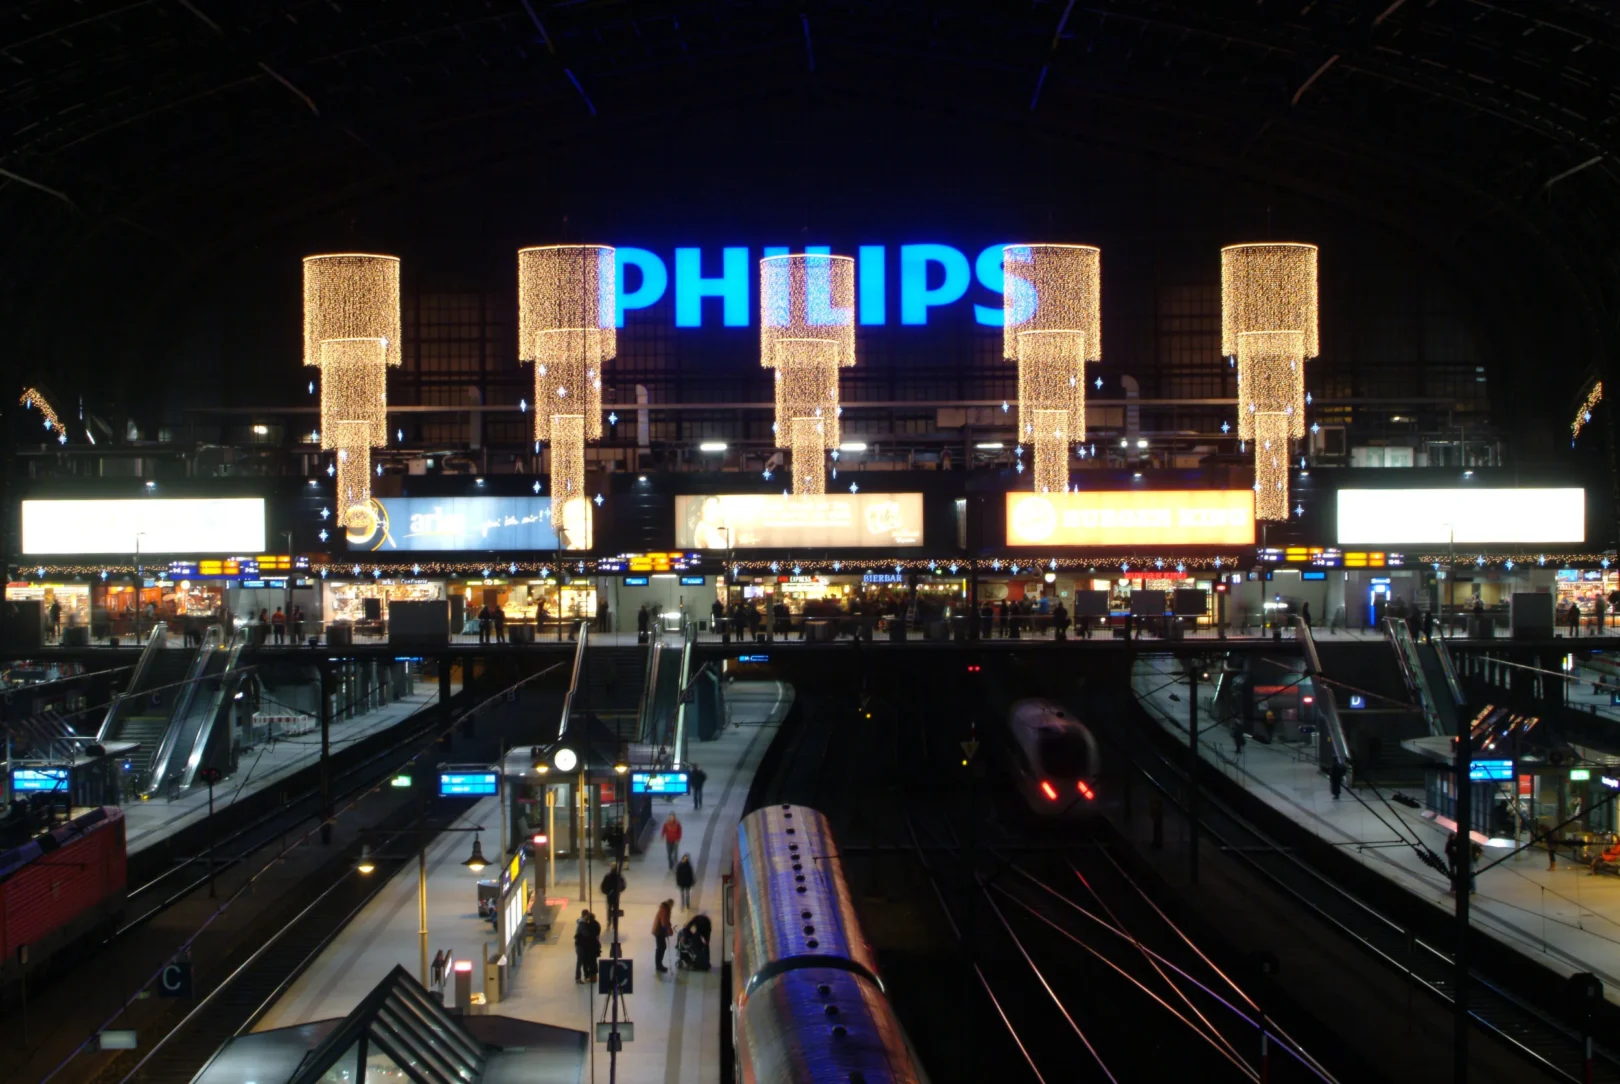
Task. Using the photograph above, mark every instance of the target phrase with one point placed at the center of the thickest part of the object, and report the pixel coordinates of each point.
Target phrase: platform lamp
(352, 335)
(1052, 306)
(807, 334)
(474, 864)
(1269, 317)
(567, 316)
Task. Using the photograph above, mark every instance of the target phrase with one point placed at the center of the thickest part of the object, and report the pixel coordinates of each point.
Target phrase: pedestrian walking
(663, 929)
(486, 622)
(1451, 860)
(278, 626)
(612, 887)
(56, 620)
(438, 968)
(685, 878)
(671, 831)
(697, 778)
(587, 947)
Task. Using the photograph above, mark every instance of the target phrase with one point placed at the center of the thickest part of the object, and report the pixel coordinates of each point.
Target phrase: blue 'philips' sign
(926, 277)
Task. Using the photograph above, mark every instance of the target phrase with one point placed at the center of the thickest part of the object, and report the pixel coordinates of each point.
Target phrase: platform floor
(1566, 916)
(677, 1016)
(149, 822)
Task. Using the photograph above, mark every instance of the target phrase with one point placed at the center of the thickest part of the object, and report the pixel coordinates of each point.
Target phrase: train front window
(1064, 754)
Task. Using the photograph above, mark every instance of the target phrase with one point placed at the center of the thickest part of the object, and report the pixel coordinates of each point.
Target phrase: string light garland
(1052, 300)
(807, 334)
(31, 398)
(352, 334)
(567, 317)
(1269, 324)
(1594, 396)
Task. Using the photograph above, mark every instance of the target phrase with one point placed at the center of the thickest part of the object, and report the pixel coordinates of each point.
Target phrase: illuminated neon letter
(916, 298)
(870, 281)
(654, 280)
(691, 287)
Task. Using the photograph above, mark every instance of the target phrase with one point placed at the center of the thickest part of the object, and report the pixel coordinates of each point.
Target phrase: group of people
(1016, 619)
(1569, 616)
(279, 622)
(492, 623)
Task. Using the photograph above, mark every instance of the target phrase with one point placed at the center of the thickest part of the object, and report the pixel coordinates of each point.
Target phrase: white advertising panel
(748, 521)
(144, 525)
(1438, 517)
(1193, 517)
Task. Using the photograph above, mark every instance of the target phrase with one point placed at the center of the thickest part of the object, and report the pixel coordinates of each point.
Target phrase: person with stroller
(692, 944)
(685, 878)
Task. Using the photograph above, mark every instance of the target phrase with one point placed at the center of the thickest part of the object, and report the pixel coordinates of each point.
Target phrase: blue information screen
(1489, 771)
(467, 784)
(39, 779)
(658, 783)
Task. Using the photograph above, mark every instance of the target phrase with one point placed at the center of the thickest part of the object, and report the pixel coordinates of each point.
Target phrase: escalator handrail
(156, 641)
(687, 640)
(1327, 704)
(649, 687)
(228, 680)
(1400, 638)
(1449, 669)
(573, 680)
(182, 709)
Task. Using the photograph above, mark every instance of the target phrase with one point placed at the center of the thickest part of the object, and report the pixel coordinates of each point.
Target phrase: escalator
(1430, 679)
(1335, 752)
(195, 730)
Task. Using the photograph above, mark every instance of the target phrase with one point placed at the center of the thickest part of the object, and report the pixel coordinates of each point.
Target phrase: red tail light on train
(1049, 790)
(1085, 789)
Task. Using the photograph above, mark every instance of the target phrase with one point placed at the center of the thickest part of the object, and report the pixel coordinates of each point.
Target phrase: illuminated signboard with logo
(39, 779)
(1464, 515)
(899, 284)
(658, 783)
(1199, 517)
(1490, 771)
(467, 523)
(463, 783)
(748, 521)
(145, 525)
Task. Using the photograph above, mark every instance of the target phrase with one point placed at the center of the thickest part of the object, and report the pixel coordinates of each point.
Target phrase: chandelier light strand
(1052, 300)
(807, 334)
(567, 317)
(1269, 324)
(352, 334)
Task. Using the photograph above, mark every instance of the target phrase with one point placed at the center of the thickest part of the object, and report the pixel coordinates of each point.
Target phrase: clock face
(566, 760)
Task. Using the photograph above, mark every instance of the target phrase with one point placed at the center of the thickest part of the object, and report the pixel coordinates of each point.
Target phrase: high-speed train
(808, 1005)
(1053, 759)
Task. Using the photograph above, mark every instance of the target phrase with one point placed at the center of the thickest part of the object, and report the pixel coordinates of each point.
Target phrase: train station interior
(842, 543)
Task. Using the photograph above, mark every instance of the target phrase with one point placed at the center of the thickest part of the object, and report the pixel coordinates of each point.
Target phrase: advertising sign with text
(1194, 517)
(748, 521)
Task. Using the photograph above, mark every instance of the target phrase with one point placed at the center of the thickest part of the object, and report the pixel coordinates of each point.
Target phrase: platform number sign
(615, 976)
(175, 980)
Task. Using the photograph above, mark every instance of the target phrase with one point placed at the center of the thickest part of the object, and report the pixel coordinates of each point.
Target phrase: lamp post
(474, 862)
(138, 536)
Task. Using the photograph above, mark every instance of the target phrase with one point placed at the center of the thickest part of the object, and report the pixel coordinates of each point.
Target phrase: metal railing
(1327, 705)
(205, 730)
(649, 688)
(212, 639)
(1443, 654)
(155, 642)
(1417, 684)
(688, 638)
(574, 679)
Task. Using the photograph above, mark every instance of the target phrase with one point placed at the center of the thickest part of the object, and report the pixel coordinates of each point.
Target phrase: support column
(1192, 770)
(1462, 881)
(328, 689)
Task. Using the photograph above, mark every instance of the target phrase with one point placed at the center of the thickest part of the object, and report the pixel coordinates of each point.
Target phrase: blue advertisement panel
(466, 523)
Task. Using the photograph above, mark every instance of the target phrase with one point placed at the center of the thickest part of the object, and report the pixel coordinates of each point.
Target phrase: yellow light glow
(1198, 517)
(1052, 298)
(807, 334)
(352, 334)
(567, 311)
(1269, 323)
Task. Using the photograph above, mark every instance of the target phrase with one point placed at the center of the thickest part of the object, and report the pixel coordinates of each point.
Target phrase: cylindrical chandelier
(567, 315)
(1052, 298)
(1269, 324)
(807, 333)
(351, 333)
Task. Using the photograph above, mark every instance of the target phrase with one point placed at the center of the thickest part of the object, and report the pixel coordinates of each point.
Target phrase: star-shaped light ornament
(536, 486)
(1226, 427)
(598, 500)
(613, 419)
(853, 488)
(323, 536)
(326, 513)
(1005, 406)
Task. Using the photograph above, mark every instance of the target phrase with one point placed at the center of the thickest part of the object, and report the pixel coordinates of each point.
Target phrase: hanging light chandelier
(352, 334)
(806, 334)
(1269, 317)
(567, 315)
(1052, 303)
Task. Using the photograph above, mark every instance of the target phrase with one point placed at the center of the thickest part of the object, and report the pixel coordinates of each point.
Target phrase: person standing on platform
(486, 621)
(437, 974)
(717, 618)
(1060, 621)
(671, 831)
(643, 623)
(697, 777)
(612, 888)
(278, 626)
(499, 617)
(663, 929)
(56, 620)
(1428, 626)
(1572, 616)
(298, 625)
(987, 620)
(685, 878)
(587, 947)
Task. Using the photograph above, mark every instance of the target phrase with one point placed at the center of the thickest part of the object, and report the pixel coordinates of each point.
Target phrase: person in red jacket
(671, 831)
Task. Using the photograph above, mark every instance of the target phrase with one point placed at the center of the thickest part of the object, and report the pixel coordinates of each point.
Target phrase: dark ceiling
(152, 141)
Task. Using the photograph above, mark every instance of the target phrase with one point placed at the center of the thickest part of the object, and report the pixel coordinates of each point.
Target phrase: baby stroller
(692, 944)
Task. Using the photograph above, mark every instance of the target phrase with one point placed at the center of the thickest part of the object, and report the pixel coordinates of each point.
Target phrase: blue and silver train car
(808, 1004)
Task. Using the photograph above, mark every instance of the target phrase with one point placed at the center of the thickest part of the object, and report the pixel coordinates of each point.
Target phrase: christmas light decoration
(1269, 317)
(567, 312)
(1053, 325)
(352, 334)
(31, 398)
(1594, 396)
(807, 334)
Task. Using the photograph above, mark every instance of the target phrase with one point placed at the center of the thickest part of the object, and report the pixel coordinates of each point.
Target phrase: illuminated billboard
(747, 521)
(1465, 515)
(468, 523)
(1194, 517)
(144, 525)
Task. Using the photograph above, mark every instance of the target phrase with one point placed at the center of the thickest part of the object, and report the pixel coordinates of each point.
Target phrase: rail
(1327, 705)
(228, 680)
(649, 689)
(212, 640)
(155, 642)
(688, 637)
(1449, 669)
(573, 680)
(1400, 638)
